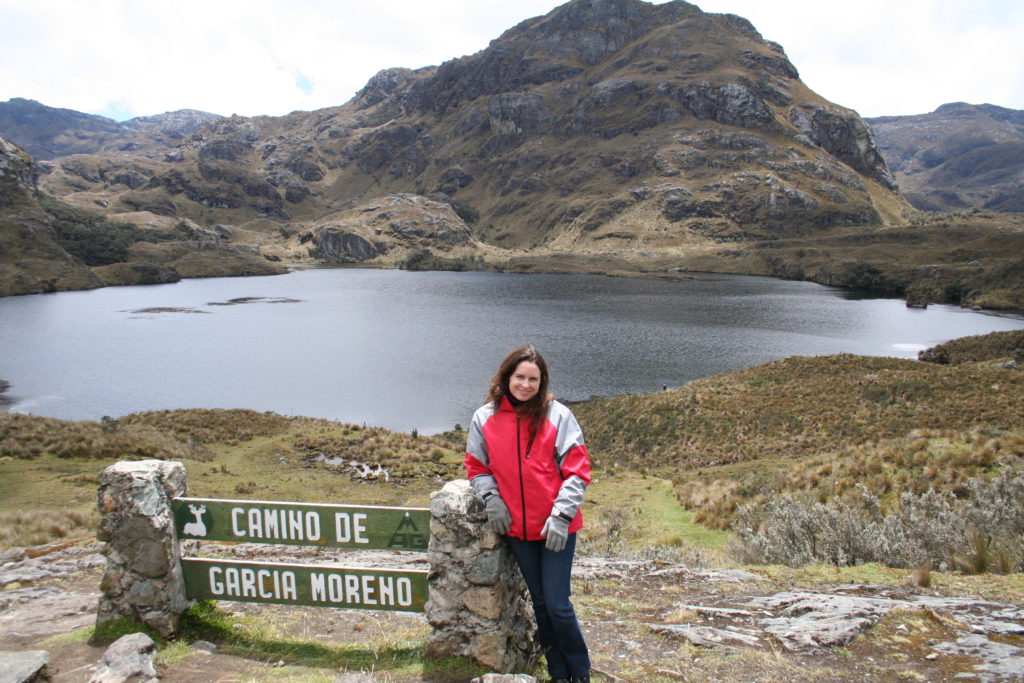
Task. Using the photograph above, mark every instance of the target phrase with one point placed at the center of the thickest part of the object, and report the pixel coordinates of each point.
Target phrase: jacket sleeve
(573, 462)
(477, 462)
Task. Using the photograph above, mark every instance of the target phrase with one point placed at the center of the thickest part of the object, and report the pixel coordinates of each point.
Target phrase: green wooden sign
(303, 584)
(367, 527)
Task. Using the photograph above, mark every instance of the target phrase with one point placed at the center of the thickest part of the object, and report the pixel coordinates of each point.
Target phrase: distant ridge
(957, 157)
(48, 132)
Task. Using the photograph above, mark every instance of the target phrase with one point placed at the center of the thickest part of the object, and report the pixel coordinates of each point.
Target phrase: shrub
(424, 259)
(464, 211)
(992, 346)
(94, 238)
(976, 533)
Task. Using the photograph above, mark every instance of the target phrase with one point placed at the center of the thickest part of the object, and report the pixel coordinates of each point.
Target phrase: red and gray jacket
(536, 475)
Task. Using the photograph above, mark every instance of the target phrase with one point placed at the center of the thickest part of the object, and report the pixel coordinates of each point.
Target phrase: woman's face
(525, 381)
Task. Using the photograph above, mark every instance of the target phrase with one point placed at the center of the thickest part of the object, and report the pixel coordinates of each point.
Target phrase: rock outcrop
(888, 630)
(30, 259)
(24, 667)
(129, 658)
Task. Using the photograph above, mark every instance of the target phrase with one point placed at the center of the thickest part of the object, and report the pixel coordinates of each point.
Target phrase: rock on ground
(23, 667)
(130, 658)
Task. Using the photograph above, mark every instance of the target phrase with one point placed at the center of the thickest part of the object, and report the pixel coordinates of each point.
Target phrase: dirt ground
(627, 609)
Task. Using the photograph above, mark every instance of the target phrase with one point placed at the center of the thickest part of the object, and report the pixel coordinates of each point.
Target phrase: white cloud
(897, 56)
(142, 57)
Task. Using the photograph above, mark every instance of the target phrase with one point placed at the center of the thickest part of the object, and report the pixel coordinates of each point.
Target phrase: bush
(93, 238)
(424, 259)
(465, 211)
(978, 532)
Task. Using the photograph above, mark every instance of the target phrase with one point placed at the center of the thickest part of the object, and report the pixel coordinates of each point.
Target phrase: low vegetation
(798, 406)
(977, 531)
(94, 238)
(28, 436)
(804, 455)
(970, 258)
(424, 259)
(974, 349)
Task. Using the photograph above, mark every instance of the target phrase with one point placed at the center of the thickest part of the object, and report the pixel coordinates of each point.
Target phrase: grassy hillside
(49, 471)
(795, 444)
(797, 407)
(971, 259)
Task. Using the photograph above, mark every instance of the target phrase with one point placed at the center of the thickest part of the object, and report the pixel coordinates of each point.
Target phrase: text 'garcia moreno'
(315, 586)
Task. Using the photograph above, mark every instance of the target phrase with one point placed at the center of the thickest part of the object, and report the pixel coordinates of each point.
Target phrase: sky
(126, 58)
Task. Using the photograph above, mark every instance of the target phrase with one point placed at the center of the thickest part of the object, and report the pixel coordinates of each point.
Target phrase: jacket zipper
(522, 488)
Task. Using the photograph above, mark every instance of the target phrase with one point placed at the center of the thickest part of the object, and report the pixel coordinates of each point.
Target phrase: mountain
(611, 136)
(47, 245)
(958, 156)
(30, 259)
(606, 126)
(47, 132)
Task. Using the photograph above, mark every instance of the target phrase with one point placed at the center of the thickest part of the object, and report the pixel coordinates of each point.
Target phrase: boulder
(331, 244)
(24, 667)
(130, 658)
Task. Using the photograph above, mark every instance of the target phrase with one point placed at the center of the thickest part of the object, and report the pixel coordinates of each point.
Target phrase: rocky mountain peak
(588, 31)
(603, 125)
(175, 123)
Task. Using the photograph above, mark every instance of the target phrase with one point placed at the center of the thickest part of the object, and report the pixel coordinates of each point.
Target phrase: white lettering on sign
(244, 582)
(368, 589)
(350, 528)
(277, 524)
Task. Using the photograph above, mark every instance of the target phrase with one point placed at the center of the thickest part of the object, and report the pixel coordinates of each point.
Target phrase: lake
(415, 350)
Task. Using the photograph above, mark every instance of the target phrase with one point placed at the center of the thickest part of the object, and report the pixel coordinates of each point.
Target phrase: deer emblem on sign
(196, 528)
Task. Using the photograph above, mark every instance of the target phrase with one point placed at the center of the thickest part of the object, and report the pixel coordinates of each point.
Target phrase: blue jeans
(547, 577)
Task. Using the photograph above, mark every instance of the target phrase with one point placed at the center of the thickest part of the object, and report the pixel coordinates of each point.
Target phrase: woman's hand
(556, 530)
(497, 514)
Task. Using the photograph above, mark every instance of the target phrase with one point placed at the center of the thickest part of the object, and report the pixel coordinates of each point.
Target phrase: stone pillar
(478, 603)
(143, 578)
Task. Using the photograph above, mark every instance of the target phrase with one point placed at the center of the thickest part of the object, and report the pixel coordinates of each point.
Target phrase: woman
(526, 460)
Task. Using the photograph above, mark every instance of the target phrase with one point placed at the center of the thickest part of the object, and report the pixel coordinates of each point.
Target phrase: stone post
(143, 578)
(478, 603)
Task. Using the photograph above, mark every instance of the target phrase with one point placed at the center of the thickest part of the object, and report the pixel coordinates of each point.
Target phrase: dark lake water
(407, 350)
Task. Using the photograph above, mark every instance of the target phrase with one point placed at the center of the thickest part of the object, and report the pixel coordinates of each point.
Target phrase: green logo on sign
(408, 535)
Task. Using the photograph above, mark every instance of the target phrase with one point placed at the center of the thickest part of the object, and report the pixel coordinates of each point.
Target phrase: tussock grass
(819, 425)
(24, 528)
(403, 455)
(212, 426)
(28, 436)
(797, 406)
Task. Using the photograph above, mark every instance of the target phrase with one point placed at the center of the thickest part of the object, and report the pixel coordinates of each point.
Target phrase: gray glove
(556, 530)
(497, 514)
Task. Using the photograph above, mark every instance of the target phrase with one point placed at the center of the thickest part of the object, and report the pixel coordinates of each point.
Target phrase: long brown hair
(537, 407)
